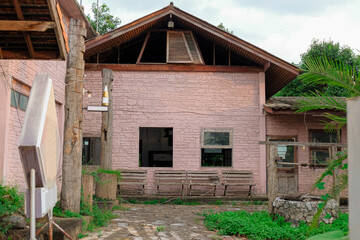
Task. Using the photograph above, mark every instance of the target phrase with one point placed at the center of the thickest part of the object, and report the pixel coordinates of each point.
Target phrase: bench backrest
(170, 176)
(133, 175)
(203, 176)
(237, 176)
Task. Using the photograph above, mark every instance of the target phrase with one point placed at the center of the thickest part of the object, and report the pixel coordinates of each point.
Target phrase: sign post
(39, 149)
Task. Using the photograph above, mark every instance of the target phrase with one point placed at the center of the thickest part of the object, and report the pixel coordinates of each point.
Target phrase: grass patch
(248, 203)
(120, 208)
(260, 225)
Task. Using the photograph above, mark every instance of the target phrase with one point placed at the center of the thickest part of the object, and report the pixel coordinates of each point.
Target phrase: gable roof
(278, 72)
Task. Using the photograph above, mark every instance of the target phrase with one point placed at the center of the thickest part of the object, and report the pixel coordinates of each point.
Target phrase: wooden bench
(134, 179)
(237, 178)
(203, 179)
(168, 179)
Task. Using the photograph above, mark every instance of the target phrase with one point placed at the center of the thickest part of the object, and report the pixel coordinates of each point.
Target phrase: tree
(332, 51)
(222, 27)
(107, 22)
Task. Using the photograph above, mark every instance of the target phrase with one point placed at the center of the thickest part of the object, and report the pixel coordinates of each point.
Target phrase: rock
(16, 221)
(308, 206)
(309, 218)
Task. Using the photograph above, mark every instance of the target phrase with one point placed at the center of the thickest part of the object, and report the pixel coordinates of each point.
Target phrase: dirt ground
(165, 222)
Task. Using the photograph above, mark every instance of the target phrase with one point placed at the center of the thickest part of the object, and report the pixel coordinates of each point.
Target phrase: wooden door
(287, 174)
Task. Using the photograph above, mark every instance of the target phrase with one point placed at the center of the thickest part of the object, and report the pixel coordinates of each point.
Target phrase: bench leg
(190, 190)
(225, 190)
(250, 192)
(182, 189)
(158, 189)
(215, 191)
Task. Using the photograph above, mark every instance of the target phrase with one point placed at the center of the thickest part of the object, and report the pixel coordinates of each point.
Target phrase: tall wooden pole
(107, 123)
(71, 170)
(272, 178)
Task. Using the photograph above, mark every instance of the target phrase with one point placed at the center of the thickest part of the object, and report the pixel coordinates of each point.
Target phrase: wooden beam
(24, 54)
(29, 26)
(214, 53)
(26, 34)
(62, 27)
(58, 32)
(1, 54)
(172, 68)
(309, 144)
(272, 178)
(143, 47)
(266, 66)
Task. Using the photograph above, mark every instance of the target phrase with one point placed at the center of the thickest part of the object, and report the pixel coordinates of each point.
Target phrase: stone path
(164, 222)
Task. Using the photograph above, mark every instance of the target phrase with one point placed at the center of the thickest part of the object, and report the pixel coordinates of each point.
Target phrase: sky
(284, 28)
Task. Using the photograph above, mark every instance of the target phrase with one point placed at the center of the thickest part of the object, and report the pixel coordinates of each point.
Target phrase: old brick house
(182, 87)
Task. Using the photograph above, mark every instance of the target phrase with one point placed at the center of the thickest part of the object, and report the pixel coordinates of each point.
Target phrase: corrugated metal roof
(277, 75)
(287, 103)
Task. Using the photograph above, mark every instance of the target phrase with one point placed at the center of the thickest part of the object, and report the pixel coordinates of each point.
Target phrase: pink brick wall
(186, 101)
(25, 71)
(297, 125)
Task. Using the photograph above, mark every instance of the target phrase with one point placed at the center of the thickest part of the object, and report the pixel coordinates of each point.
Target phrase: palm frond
(340, 157)
(335, 122)
(322, 70)
(341, 185)
(317, 101)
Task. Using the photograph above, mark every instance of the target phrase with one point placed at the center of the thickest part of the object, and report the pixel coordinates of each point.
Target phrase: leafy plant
(106, 21)
(160, 228)
(11, 201)
(261, 225)
(96, 172)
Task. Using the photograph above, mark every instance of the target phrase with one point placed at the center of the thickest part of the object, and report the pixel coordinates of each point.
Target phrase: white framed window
(216, 147)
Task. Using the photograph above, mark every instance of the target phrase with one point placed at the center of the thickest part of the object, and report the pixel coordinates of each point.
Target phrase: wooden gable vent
(181, 47)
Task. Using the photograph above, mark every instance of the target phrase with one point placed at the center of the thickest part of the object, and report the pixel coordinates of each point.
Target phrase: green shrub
(11, 202)
(260, 225)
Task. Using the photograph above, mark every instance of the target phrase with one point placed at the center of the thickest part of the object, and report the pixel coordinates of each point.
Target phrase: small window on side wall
(320, 155)
(216, 147)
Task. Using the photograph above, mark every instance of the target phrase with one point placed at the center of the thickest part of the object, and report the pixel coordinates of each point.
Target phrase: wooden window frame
(295, 149)
(229, 130)
(17, 102)
(312, 149)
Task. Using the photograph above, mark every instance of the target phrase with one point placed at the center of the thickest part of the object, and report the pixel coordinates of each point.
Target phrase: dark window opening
(156, 147)
(216, 148)
(321, 155)
(19, 100)
(155, 49)
(216, 157)
(91, 151)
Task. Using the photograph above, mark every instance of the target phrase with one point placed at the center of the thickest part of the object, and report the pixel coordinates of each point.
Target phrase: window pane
(324, 137)
(286, 153)
(319, 156)
(217, 138)
(23, 101)
(14, 98)
(219, 157)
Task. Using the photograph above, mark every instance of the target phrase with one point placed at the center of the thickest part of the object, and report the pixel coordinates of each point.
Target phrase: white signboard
(39, 144)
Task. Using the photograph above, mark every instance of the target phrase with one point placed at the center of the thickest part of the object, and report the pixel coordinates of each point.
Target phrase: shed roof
(278, 72)
(287, 103)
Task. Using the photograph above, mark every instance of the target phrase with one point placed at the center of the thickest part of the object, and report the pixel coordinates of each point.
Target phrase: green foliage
(260, 225)
(107, 22)
(95, 173)
(222, 27)
(332, 51)
(11, 202)
(160, 228)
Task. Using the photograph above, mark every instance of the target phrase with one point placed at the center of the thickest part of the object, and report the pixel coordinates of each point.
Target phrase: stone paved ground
(140, 222)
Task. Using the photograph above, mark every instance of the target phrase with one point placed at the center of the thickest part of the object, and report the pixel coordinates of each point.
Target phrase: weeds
(260, 225)
(160, 228)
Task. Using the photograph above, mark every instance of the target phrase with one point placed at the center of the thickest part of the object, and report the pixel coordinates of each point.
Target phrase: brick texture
(185, 101)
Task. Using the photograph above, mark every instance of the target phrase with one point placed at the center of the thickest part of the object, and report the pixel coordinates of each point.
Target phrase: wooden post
(335, 173)
(272, 178)
(71, 170)
(107, 123)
